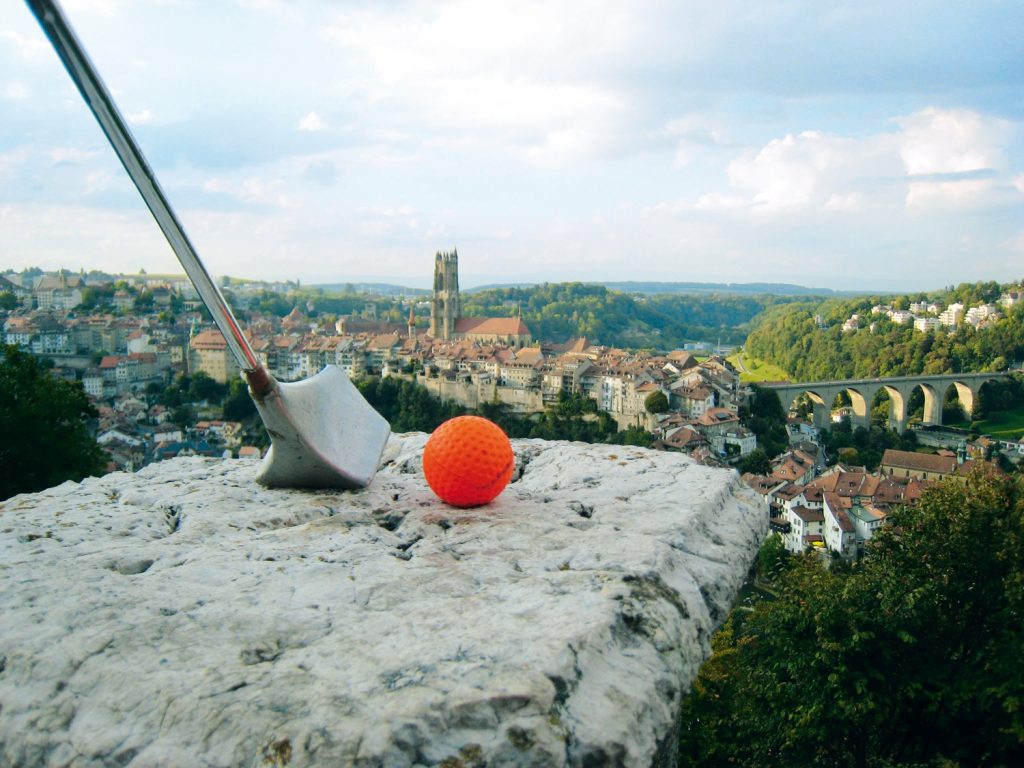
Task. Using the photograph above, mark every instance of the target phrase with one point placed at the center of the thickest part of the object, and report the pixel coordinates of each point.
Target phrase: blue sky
(868, 145)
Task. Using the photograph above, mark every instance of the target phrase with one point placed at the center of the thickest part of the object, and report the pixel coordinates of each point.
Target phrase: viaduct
(862, 393)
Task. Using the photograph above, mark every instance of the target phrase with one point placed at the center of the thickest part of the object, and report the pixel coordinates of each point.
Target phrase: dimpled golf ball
(468, 461)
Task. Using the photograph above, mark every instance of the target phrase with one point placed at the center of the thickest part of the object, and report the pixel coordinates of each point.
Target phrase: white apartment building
(951, 315)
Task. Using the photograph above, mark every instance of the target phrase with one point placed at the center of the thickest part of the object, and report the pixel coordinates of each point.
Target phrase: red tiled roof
(209, 339)
(921, 462)
(497, 326)
(808, 515)
(845, 525)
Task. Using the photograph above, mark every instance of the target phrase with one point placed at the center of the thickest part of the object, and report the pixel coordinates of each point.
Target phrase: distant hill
(654, 288)
(807, 337)
(662, 321)
(646, 288)
(377, 289)
(771, 289)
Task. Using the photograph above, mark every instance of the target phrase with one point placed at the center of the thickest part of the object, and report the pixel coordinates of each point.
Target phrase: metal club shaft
(55, 25)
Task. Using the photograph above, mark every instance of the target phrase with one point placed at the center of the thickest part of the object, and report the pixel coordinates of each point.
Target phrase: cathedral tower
(445, 308)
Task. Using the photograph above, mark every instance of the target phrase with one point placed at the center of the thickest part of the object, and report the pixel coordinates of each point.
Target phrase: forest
(789, 336)
(906, 659)
(561, 311)
(555, 312)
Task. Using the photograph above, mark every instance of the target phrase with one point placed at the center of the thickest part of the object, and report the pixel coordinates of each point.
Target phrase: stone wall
(474, 393)
(184, 615)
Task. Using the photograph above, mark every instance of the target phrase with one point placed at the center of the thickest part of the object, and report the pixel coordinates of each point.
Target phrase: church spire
(445, 307)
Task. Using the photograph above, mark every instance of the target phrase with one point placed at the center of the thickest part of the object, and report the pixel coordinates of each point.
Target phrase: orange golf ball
(468, 461)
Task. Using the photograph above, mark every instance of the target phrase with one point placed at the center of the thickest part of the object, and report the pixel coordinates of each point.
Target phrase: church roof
(682, 359)
(529, 355)
(921, 462)
(209, 339)
(497, 326)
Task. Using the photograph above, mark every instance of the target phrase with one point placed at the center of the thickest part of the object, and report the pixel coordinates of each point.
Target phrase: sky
(845, 145)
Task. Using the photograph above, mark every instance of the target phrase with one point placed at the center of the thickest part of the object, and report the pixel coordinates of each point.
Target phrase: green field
(1003, 425)
(752, 369)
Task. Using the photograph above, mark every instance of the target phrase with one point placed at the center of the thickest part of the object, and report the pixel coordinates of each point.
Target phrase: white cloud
(24, 47)
(86, 236)
(566, 146)
(715, 201)
(949, 141)
(102, 7)
(949, 158)
(11, 163)
(796, 171)
(1017, 243)
(525, 77)
(947, 153)
(70, 155)
(312, 123)
(850, 201)
(403, 222)
(937, 194)
(145, 117)
(694, 135)
(252, 190)
(16, 90)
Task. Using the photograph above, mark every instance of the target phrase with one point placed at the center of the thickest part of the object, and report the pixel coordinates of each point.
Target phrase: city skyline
(867, 148)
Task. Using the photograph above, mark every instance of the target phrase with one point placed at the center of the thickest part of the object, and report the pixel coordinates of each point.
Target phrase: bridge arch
(820, 406)
(966, 395)
(898, 401)
(900, 389)
(861, 398)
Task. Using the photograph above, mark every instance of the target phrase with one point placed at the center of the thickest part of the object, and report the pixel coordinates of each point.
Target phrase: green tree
(911, 658)
(756, 462)
(629, 436)
(788, 336)
(8, 300)
(202, 388)
(765, 417)
(44, 439)
(184, 415)
(772, 559)
(656, 402)
(238, 405)
(95, 296)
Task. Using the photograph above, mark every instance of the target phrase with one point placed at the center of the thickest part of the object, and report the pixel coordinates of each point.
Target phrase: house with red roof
(447, 322)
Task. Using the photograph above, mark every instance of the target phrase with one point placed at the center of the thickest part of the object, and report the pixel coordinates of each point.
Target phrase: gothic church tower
(445, 308)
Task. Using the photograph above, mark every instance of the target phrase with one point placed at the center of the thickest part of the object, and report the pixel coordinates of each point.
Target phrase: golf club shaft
(51, 18)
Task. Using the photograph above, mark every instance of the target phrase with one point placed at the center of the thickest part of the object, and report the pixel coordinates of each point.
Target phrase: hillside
(560, 311)
(652, 288)
(790, 337)
(554, 312)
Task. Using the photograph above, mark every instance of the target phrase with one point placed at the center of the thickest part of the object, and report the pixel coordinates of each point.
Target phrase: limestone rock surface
(184, 615)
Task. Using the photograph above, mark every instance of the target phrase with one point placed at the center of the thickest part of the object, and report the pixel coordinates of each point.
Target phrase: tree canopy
(560, 311)
(44, 438)
(790, 337)
(656, 402)
(764, 415)
(910, 658)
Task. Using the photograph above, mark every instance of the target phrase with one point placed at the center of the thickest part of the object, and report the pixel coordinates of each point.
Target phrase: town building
(925, 466)
(447, 322)
(210, 354)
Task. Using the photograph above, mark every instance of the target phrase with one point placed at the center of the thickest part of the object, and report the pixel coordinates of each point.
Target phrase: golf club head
(323, 434)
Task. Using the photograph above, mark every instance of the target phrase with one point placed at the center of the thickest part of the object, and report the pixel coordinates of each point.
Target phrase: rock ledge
(184, 615)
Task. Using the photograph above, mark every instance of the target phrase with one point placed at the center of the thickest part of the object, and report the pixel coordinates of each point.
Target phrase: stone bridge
(862, 393)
